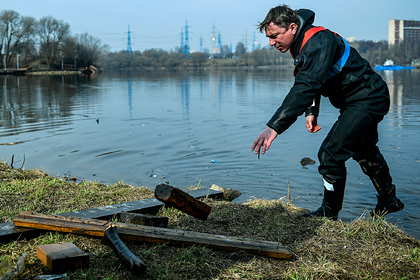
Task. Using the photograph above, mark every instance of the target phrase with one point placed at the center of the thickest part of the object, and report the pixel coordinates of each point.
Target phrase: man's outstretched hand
(264, 140)
(311, 123)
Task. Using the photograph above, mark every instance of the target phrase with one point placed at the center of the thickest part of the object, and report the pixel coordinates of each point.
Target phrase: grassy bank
(367, 248)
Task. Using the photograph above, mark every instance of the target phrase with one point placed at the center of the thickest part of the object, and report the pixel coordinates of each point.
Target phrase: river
(197, 127)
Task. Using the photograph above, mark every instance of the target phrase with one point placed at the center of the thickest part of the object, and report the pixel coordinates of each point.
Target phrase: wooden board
(144, 220)
(60, 258)
(181, 200)
(9, 232)
(151, 234)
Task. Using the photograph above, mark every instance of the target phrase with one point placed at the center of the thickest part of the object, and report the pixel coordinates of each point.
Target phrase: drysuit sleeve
(313, 110)
(315, 61)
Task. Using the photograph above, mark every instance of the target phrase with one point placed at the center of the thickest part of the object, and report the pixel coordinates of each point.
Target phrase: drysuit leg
(377, 169)
(332, 167)
(354, 126)
(333, 195)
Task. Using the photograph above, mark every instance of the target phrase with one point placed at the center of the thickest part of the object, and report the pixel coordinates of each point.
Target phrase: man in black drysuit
(326, 65)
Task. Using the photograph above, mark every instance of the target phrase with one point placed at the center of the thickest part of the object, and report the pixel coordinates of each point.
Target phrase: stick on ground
(112, 239)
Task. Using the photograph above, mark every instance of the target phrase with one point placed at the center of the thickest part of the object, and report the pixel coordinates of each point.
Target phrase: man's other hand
(311, 123)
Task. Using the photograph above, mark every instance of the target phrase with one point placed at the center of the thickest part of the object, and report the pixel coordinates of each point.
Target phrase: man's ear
(293, 28)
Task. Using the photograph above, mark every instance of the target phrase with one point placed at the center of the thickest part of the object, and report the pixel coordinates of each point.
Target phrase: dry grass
(367, 248)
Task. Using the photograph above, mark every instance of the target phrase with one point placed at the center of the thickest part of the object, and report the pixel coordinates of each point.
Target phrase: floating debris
(306, 161)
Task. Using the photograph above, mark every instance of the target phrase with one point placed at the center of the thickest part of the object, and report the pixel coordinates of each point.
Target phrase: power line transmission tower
(255, 44)
(186, 46)
(129, 50)
(245, 39)
(201, 44)
(213, 41)
(182, 40)
(219, 42)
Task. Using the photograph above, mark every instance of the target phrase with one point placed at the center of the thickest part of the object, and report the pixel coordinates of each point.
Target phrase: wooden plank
(151, 234)
(144, 220)
(60, 258)
(178, 199)
(112, 239)
(9, 232)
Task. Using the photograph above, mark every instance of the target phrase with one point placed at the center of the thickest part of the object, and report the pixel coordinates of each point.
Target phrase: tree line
(156, 58)
(46, 39)
(403, 53)
(374, 52)
(51, 41)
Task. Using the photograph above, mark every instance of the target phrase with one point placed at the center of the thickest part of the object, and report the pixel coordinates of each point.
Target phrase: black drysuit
(357, 91)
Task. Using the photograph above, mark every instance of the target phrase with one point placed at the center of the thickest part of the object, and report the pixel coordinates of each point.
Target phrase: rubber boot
(388, 202)
(331, 204)
(323, 211)
(377, 170)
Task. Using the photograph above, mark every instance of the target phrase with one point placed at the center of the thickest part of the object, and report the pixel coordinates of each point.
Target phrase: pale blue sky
(158, 23)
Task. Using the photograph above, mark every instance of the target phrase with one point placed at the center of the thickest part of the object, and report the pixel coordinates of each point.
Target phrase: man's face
(279, 37)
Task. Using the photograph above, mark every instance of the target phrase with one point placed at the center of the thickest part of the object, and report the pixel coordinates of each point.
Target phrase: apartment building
(400, 30)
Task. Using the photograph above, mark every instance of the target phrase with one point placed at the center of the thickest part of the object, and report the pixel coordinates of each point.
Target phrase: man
(326, 65)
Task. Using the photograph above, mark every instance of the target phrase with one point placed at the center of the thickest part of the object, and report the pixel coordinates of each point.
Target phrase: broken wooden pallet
(9, 232)
(151, 234)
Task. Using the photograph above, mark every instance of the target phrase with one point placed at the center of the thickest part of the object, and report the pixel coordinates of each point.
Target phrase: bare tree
(90, 49)
(15, 30)
(52, 34)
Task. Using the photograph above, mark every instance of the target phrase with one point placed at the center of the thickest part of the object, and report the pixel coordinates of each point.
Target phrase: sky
(159, 23)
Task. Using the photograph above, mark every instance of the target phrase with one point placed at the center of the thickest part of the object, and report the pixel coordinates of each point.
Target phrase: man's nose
(271, 42)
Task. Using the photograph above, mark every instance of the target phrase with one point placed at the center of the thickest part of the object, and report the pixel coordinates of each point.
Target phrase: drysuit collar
(306, 18)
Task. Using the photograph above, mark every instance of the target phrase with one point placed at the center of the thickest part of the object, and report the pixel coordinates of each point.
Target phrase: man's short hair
(281, 15)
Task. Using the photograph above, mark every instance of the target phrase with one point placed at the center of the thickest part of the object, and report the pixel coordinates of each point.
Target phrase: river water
(188, 128)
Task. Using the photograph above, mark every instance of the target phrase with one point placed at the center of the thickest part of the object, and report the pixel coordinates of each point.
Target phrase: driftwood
(180, 200)
(112, 239)
(151, 234)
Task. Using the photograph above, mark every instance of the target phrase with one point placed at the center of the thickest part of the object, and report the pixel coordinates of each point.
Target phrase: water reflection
(130, 96)
(396, 97)
(404, 91)
(185, 96)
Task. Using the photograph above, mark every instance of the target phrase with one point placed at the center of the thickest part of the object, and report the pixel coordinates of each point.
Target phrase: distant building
(400, 30)
(351, 39)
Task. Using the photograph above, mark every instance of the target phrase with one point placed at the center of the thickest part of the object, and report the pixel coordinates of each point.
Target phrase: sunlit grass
(33, 190)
